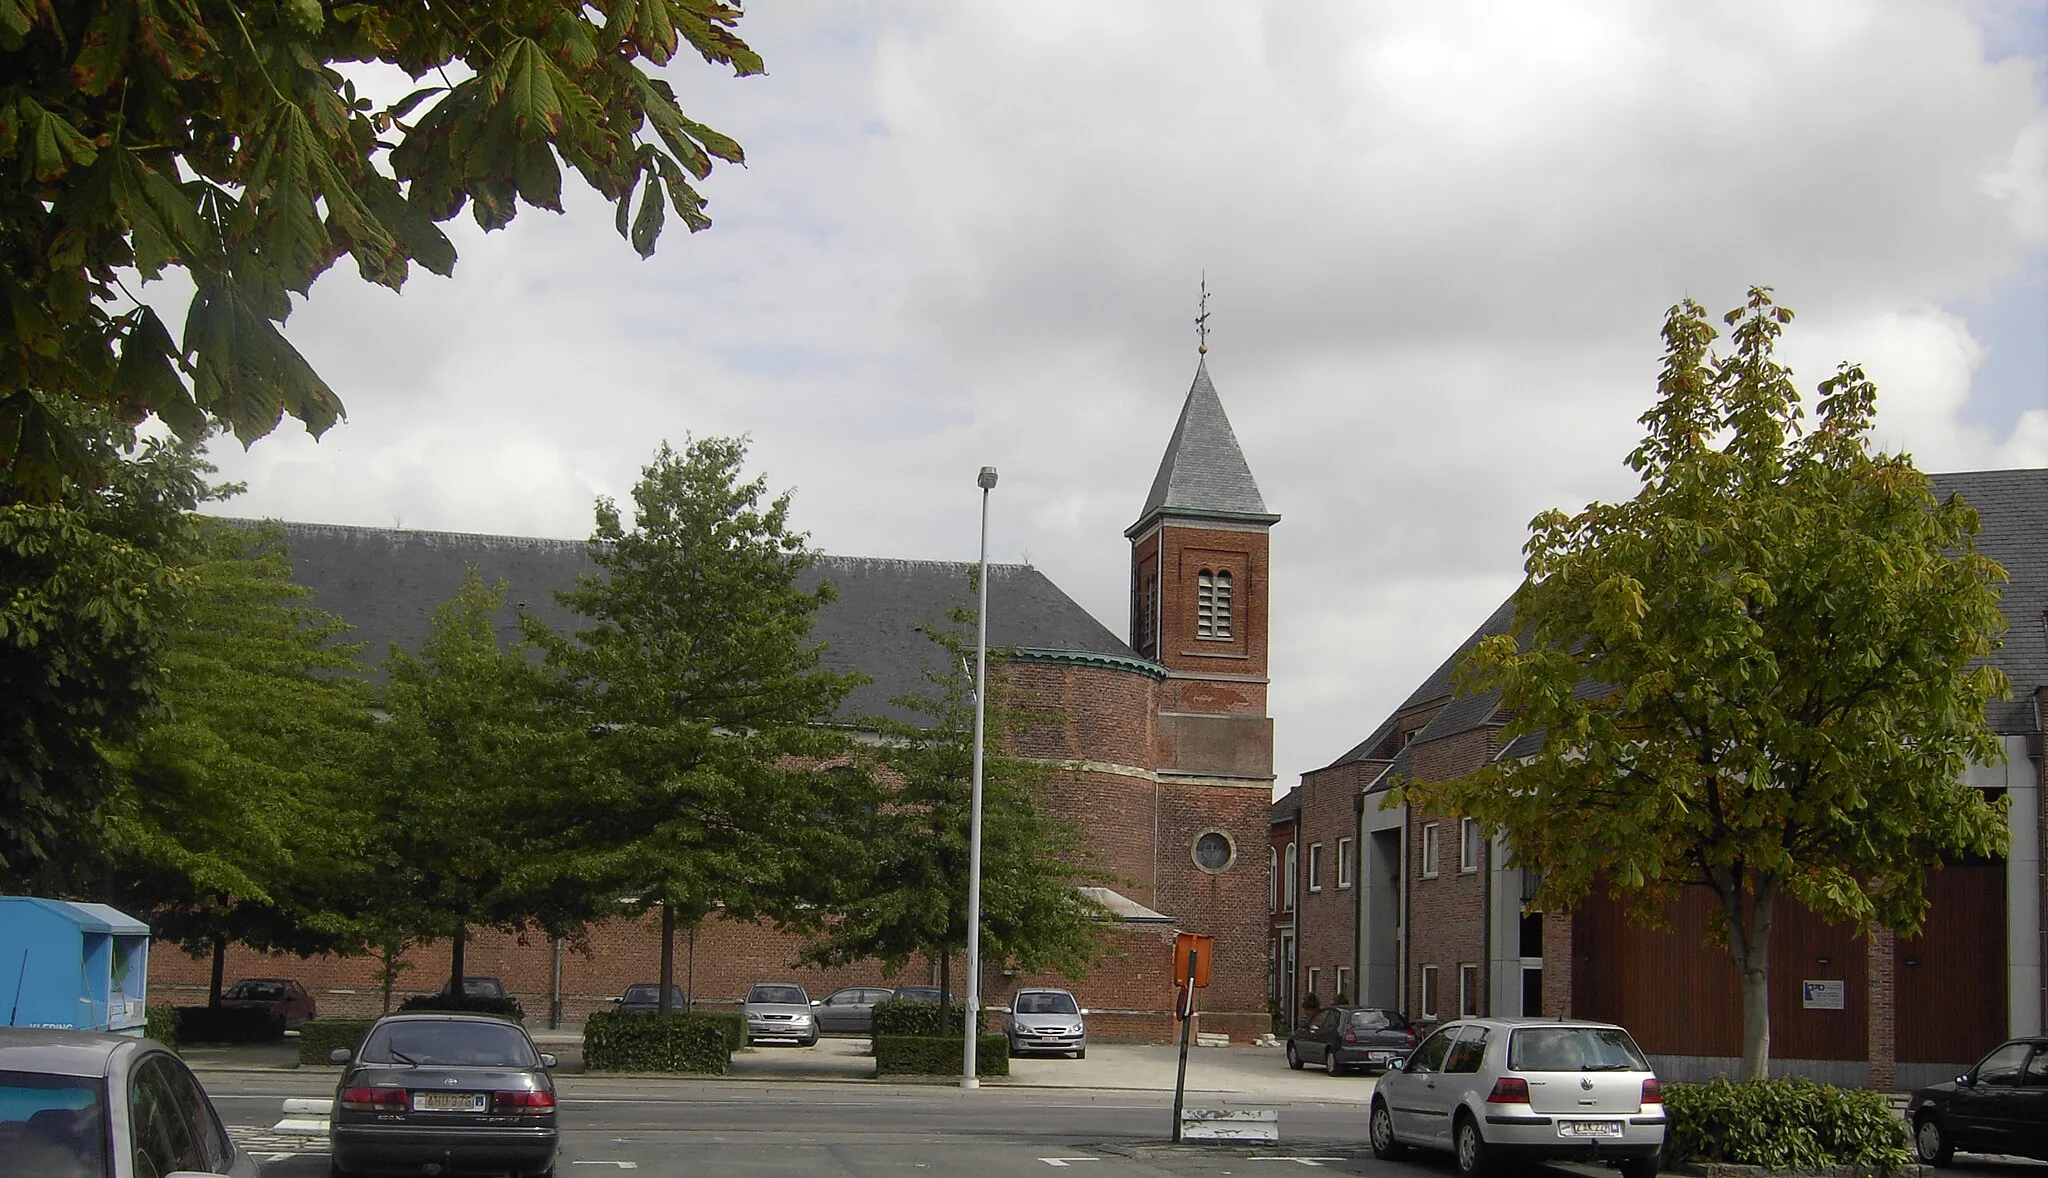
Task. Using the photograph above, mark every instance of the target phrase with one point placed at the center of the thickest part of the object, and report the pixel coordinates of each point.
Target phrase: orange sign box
(1203, 947)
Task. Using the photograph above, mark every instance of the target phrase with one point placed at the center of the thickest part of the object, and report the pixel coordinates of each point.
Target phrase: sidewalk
(1259, 1072)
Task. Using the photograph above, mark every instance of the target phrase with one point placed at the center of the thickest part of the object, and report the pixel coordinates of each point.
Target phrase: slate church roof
(1204, 473)
(387, 582)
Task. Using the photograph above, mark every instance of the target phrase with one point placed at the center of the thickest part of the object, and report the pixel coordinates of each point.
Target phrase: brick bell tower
(1199, 598)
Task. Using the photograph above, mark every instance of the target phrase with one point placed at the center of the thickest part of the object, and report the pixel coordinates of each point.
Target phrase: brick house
(1163, 747)
(1283, 881)
(1441, 931)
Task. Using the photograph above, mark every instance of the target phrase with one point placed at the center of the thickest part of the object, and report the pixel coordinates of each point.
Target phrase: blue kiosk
(84, 967)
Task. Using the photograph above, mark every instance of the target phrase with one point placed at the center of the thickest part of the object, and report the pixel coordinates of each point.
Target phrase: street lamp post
(986, 480)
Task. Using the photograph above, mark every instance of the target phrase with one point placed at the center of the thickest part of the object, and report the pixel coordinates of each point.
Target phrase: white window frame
(1344, 863)
(1471, 842)
(1429, 989)
(1467, 973)
(1315, 982)
(1431, 849)
(1344, 982)
(1290, 894)
(1272, 879)
(1315, 867)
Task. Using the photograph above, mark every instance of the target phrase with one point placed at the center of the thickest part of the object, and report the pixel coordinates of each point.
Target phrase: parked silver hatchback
(1492, 1090)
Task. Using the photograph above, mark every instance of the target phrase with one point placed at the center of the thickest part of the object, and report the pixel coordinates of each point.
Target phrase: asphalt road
(665, 1128)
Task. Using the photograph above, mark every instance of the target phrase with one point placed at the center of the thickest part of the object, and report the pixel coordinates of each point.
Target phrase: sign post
(1192, 953)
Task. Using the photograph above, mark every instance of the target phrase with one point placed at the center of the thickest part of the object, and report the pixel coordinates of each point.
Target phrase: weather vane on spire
(1202, 320)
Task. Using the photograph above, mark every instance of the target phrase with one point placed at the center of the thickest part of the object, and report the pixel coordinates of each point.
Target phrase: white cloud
(1442, 239)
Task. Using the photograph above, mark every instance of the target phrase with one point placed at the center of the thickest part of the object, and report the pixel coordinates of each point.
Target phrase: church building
(1163, 752)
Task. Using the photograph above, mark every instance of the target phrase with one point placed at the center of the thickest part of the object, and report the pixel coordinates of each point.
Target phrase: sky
(1439, 239)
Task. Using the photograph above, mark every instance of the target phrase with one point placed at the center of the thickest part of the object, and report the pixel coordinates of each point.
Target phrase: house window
(1212, 605)
(1145, 622)
(1272, 880)
(1315, 867)
(1468, 991)
(1429, 991)
(1471, 845)
(1343, 863)
(1429, 842)
(1344, 994)
(1287, 896)
(1315, 982)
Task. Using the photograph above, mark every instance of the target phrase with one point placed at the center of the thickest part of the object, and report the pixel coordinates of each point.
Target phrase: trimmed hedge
(162, 1025)
(228, 1024)
(894, 1016)
(730, 1023)
(320, 1036)
(614, 1042)
(1788, 1124)
(506, 1007)
(933, 1055)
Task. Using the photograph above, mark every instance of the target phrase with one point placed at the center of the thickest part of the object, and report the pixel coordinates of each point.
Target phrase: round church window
(1214, 850)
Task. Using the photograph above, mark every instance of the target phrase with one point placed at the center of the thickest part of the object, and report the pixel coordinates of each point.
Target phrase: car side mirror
(547, 1061)
(340, 1055)
(1966, 1081)
(817, 1002)
(1006, 1010)
(1395, 1065)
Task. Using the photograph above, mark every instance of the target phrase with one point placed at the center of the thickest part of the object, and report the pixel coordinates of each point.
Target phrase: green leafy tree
(1760, 676)
(466, 775)
(88, 581)
(910, 892)
(229, 141)
(699, 680)
(233, 789)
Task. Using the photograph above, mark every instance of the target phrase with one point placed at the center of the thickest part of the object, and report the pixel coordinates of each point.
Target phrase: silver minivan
(1488, 1089)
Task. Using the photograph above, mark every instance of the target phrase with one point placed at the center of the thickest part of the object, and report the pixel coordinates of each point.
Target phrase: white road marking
(1296, 1161)
(1063, 1163)
(620, 1165)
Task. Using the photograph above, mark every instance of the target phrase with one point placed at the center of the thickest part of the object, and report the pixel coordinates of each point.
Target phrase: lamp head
(986, 480)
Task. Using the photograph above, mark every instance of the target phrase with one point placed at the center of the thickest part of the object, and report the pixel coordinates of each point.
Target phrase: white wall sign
(1832, 995)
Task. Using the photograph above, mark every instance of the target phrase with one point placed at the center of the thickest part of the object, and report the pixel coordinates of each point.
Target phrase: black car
(1344, 1037)
(460, 1091)
(1999, 1106)
(645, 998)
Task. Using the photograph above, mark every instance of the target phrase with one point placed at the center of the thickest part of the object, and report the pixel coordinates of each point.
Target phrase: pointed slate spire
(1204, 474)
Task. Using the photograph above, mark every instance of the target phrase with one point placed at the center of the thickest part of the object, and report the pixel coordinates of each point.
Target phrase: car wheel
(334, 1170)
(1331, 1065)
(1381, 1129)
(1642, 1167)
(1932, 1143)
(1293, 1056)
(810, 1042)
(1470, 1147)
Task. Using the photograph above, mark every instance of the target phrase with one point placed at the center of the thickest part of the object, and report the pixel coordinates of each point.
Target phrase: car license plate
(1589, 1128)
(449, 1102)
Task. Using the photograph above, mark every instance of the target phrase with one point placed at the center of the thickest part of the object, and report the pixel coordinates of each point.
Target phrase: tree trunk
(690, 982)
(1749, 943)
(945, 985)
(455, 966)
(220, 969)
(668, 958)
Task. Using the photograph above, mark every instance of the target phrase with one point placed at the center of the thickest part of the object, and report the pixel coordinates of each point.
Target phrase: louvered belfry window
(1212, 605)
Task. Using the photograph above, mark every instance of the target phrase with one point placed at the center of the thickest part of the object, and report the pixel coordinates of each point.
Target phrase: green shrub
(1788, 1124)
(730, 1023)
(162, 1025)
(320, 1036)
(614, 1042)
(506, 1007)
(228, 1024)
(933, 1055)
(893, 1016)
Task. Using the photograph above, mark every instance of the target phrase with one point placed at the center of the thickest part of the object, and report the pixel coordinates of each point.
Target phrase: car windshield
(450, 1043)
(651, 992)
(787, 995)
(1046, 1002)
(257, 991)
(1574, 1049)
(53, 1125)
(1377, 1020)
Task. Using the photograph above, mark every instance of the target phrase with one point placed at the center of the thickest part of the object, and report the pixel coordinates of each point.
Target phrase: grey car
(1046, 1022)
(464, 1091)
(780, 1010)
(1491, 1090)
(645, 998)
(77, 1104)
(849, 1011)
